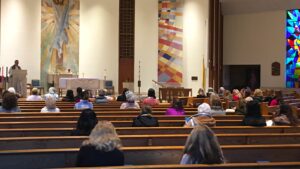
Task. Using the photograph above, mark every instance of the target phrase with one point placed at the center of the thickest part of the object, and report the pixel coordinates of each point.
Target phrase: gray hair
(50, 102)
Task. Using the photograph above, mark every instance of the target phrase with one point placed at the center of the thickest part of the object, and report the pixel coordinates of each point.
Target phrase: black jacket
(145, 121)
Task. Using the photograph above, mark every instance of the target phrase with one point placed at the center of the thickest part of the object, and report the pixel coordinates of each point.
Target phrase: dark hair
(124, 91)
(287, 110)
(79, 90)
(87, 121)
(253, 109)
(203, 147)
(70, 94)
(151, 93)
(146, 109)
(177, 104)
(10, 101)
(247, 92)
(85, 95)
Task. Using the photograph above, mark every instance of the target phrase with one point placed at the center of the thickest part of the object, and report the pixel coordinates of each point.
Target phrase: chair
(36, 83)
(108, 85)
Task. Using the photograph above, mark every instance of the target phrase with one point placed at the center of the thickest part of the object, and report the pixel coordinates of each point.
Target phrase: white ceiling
(252, 6)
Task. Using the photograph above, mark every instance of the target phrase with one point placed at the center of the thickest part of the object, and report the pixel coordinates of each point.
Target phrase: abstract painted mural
(293, 48)
(170, 53)
(60, 37)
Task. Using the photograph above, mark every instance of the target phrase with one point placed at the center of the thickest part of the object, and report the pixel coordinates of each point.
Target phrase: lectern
(18, 80)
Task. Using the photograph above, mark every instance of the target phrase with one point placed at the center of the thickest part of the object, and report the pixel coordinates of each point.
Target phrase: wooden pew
(21, 143)
(77, 113)
(262, 165)
(121, 123)
(30, 132)
(45, 117)
(55, 158)
(35, 109)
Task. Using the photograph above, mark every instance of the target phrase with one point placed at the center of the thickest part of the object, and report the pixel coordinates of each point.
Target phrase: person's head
(221, 90)
(177, 104)
(70, 94)
(87, 121)
(146, 110)
(203, 147)
(9, 101)
(102, 92)
(269, 92)
(287, 110)
(201, 92)
(12, 90)
(204, 108)
(151, 93)
(34, 91)
(124, 91)
(104, 137)
(85, 95)
(130, 97)
(247, 92)
(52, 90)
(253, 109)
(79, 90)
(50, 102)
(215, 100)
(16, 62)
(258, 93)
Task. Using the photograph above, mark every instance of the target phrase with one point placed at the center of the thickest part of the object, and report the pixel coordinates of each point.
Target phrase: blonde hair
(104, 137)
(203, 147)
(258, 92)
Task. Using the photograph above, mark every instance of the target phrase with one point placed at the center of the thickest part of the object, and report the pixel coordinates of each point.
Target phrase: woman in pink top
(176, 109)
(151, 99)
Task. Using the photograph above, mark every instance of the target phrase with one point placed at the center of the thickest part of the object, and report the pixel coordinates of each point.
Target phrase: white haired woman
(131, 103)
(202, 147)
(50, 105)
(102, 147)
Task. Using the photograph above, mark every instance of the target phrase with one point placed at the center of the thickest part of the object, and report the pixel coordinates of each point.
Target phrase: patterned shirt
(83, 104)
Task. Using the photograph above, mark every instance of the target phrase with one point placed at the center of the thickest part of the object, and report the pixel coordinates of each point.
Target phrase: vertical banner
(292, 48)
(60, 37)
(170, 51)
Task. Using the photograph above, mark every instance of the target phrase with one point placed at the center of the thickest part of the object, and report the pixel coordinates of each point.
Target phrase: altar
(92, 84)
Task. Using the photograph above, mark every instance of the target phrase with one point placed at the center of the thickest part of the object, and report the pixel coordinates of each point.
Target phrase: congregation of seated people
(103, 147)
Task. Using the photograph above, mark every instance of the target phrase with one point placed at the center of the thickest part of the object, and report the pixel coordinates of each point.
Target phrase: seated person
(79, 95)
(84, 102)
(103, 147)
(253, 115)
(285, 116)
(101, 98)
(277, 100)
(269, 96)
(52, 93)
(122, 97)
(9, 103)
(258, 95)
(50, 105)
(221, 92)
(69, 96)
(203, 117)
(34, 96)
(201, 93)
(131, 103)
(210, 90)
(145, 119)
(85, 124)
(151, 99)
(12, 90)
(216, 105)
(202, 147)
(176, 109)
